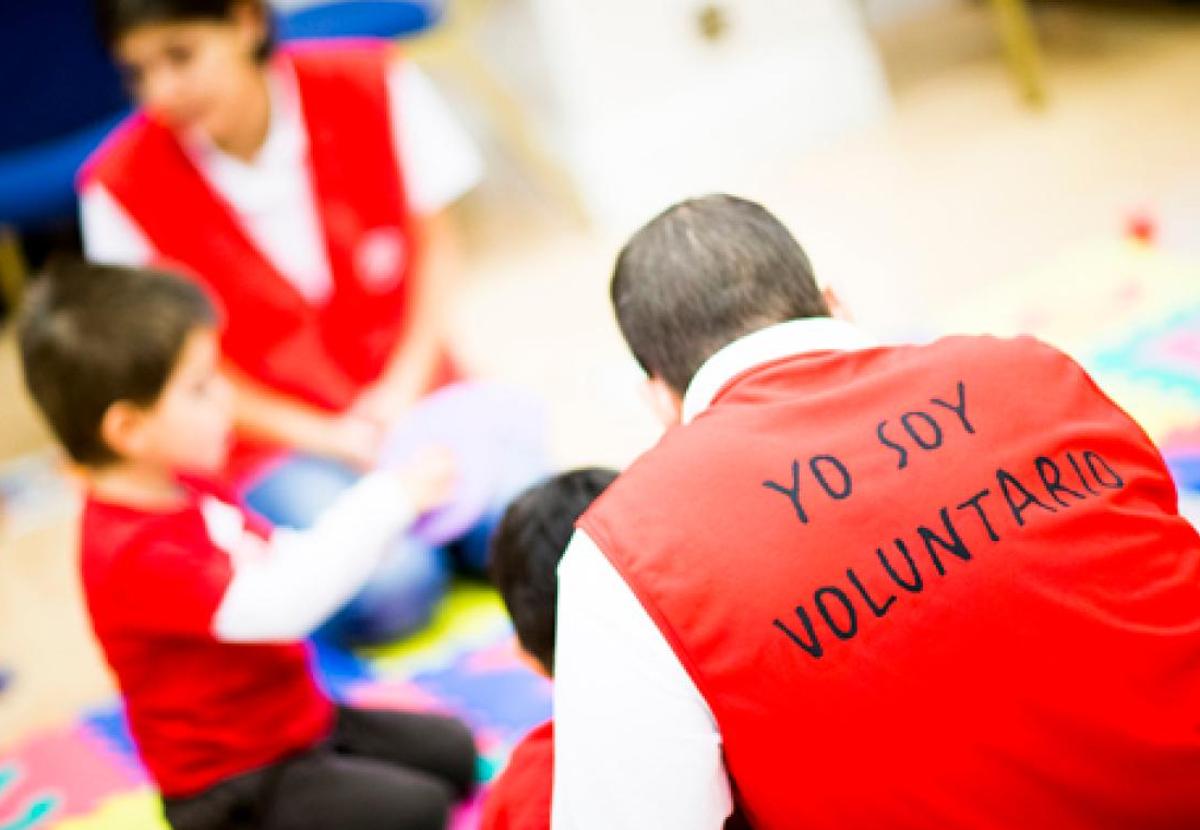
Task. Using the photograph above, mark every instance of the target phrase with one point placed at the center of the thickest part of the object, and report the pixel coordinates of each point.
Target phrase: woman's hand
(351, 439)
(382, 404)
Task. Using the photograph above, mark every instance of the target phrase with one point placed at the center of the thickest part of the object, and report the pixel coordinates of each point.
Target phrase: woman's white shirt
(272, 194)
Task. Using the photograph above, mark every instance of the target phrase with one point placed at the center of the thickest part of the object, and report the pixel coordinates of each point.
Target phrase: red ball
(1141, 226)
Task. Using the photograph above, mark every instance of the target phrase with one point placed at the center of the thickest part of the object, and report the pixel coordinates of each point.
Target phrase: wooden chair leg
(1021, 48)
(12, 268)
(450, 45)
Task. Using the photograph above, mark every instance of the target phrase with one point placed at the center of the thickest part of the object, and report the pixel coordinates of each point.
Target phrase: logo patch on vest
(379, 259)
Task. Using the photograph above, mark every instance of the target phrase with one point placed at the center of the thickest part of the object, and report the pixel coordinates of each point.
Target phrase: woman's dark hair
(117, 18)
(702, 274)
(531, 538)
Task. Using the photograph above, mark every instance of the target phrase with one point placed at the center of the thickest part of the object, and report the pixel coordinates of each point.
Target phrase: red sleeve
(494, 817)
(520, 798)
(170, 584)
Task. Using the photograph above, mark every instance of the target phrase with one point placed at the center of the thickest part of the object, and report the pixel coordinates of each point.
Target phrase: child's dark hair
(92, 335)
(117, 18)
(531, 538)
(702, 274)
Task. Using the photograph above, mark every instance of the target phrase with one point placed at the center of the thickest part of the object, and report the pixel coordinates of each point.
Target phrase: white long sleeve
(438, 159)
(283, 589)
(635, 744)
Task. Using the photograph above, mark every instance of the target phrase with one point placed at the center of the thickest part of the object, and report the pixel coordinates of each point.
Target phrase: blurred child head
(702, 274)
(122, 364)
(193, 63)
(528, 544)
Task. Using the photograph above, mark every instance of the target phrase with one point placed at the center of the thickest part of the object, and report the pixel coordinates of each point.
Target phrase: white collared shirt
(635, 744)
(272, 194)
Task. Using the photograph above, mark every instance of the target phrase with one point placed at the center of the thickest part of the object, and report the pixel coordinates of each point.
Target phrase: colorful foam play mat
(86, 776)
(1128, 311)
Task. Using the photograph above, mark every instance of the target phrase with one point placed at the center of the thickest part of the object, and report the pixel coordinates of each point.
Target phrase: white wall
(887, 11)
(643, 109)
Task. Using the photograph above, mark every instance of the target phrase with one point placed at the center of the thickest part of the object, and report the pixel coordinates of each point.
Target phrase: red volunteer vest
(324, 355)
(940, 586)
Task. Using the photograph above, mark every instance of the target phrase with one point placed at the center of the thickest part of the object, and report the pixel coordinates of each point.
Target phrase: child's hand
(429, 478)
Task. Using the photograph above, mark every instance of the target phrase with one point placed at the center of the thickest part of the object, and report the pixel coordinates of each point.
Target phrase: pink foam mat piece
(502, 655)
(1183, 441)
(469, 815)
(394, 694)
(1179, 350)
(72, 765)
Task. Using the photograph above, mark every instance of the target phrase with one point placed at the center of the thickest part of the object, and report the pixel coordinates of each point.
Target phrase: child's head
(531, 538)
(122, 364)
(702, 274)
(192, 63)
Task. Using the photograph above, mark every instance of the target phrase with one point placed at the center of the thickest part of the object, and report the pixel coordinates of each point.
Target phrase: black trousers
(379, 770)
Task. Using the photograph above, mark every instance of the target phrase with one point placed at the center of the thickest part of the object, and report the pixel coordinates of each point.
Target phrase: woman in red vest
(304, 190)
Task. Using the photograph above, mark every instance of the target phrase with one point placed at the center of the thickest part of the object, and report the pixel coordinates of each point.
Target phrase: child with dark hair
(528, 543)
(306, 189)
(200, 607)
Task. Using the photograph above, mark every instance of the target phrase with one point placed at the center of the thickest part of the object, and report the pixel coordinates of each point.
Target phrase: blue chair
(73, 94)
(362, 18)
(64, 94)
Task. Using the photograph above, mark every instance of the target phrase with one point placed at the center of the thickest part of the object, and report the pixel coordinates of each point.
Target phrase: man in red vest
(862, 586)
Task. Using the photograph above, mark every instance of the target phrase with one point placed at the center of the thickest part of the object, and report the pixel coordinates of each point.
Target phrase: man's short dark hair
(528, 544)
(702, 274)
(92, 335)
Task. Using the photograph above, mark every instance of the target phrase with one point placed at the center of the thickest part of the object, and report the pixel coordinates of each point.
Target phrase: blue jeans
(403, 592)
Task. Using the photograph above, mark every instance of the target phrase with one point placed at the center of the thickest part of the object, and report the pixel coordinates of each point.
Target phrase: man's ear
(837, 308)
(121, 429)
(664, 401)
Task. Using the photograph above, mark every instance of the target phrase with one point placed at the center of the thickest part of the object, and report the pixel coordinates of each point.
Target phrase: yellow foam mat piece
(468, 617)
(136, 810)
